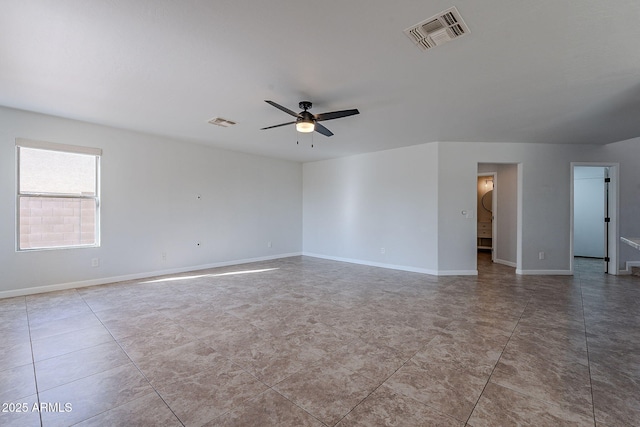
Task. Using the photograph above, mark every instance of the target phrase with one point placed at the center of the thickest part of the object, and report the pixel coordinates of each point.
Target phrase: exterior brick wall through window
(58, 195)
(48, 222)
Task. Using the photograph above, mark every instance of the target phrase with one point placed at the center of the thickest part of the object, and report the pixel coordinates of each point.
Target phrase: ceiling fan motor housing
(305, 116)
(305, 105)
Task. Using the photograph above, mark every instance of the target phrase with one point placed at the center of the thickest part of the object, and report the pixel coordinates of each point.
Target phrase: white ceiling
(543, 71)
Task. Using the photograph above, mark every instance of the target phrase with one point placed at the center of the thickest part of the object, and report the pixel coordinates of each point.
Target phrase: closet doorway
(594, 214)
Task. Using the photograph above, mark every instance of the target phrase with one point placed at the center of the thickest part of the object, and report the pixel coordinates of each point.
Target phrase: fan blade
(277, 126)
(336, 114)
(280, 107)
(323, 130)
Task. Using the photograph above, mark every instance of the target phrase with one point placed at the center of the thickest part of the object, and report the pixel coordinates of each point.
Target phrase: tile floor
(310, 342)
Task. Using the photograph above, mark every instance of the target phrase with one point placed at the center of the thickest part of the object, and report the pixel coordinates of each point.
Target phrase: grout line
(397, 392)
(134, 364)
(497, 361)
(33, 360)
(584, 319)
(286, 398)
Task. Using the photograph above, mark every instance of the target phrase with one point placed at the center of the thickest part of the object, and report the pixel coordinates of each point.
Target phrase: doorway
(594, 215)
(499, 212)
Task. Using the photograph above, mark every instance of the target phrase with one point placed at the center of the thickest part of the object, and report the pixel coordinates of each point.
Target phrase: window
(58, 195)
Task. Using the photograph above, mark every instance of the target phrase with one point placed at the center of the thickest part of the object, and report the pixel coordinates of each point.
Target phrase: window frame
(64, 148)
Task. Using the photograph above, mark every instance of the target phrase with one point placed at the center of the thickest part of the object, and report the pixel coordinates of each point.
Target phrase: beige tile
(448, 390)
(268, 409)
(122, 325)
(376, 362)
(56, 310)
(326, 392)
(44, 327)
(272, 358)
(20, 412)
(385, 407)
(14, 324)
(146, 411)
(615, 396)
(17, 383)
(320, 339)
(502, 406)
(326, 334)
(53, 299)
(560, 381)
(146, 344)
(117, 300)
(468, 352)
(69, 342)
(480, 321)
(356, 321)
(93, 395)
(405, 339)
(202, 397)
(179, 363)
(550, 344)
(69, 367)
(15, 352)
(623, 355)
(218, 326)
(12, 304)
(283, 318)
(229, 335)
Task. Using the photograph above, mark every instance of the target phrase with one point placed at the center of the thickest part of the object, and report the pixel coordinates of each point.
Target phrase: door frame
(613, 208)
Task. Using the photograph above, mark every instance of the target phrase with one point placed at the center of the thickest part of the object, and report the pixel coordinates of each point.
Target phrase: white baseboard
(394, 266)
(135, 276)
(544, 272)
(507, 263)
(457, 272)
(372, 264)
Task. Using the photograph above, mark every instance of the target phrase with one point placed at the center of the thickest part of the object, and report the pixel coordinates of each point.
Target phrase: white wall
(545, 201)
(408, 201)
(588, 211)
(150, 206)
(355, 206)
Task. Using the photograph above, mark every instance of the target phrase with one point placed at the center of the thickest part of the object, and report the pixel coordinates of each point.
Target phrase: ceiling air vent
(437, 30)
(219, 121)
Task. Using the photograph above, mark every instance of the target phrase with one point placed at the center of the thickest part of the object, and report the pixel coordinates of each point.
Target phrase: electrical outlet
(269, 244)
(95, 262)
(540, 255)
(383, 250)
(164, 257)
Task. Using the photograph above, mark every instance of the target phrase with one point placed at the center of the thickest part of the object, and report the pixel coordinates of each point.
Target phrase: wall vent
(219, 121)
(437, 30)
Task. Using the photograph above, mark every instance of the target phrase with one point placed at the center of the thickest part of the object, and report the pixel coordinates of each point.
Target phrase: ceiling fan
(306, 122)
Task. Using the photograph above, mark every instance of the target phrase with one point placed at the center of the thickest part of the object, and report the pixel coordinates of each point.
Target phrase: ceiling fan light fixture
(306, 122)
(305, 126)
